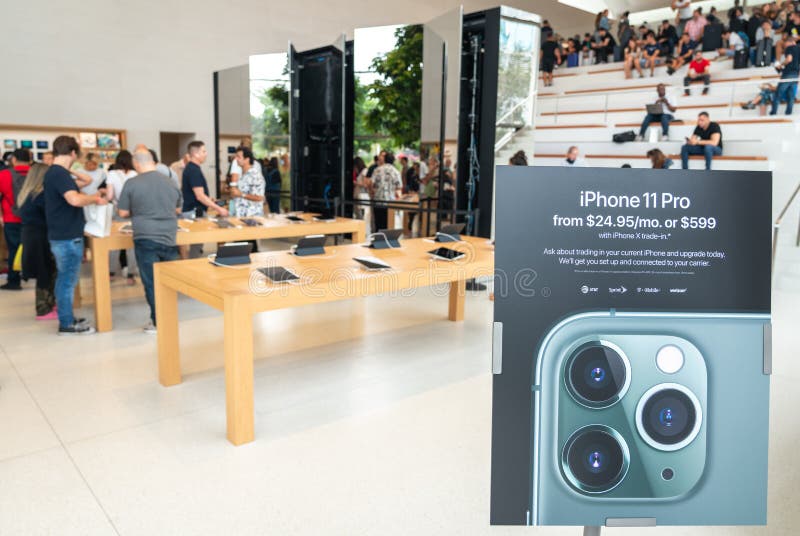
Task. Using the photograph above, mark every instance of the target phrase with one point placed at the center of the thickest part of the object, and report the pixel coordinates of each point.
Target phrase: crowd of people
(384, 181)
(767, 35)
(42, 212)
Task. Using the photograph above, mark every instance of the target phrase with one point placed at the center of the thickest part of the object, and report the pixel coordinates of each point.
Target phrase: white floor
(373, 417)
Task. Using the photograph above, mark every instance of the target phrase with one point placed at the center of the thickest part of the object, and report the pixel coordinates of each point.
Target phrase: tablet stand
(305, 252)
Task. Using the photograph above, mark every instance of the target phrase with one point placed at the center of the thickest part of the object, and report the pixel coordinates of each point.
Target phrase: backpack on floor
(624, 137)
(764, 52)
(741, 59)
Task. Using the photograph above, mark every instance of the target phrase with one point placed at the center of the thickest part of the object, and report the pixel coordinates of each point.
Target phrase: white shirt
(116, 180)
(736, 41)
(579, 162)
(237, 169)
(685, 10)
(98, 176)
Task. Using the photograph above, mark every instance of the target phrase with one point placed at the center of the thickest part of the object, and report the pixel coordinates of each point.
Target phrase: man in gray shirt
(153, 203)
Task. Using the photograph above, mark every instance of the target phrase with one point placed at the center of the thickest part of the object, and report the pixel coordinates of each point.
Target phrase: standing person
(706, 140)
(361, 192)
(790, 68)
(386, 186)
(12, 180)
(236, 169)
(153, 203)
(274, 181)
(550, 55)
(64, 204)
(195, 191)
(664, 117)
(684, 10)
(699, 69)
(573, 158)
(164, 169)
(95, 173)
(117, 177)
(47, 158)
(37, 259)
(178, 166)
(248, 192)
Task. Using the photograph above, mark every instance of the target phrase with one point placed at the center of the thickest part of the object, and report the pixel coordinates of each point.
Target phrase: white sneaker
(149, 328)
(639, 137)
(664, 137)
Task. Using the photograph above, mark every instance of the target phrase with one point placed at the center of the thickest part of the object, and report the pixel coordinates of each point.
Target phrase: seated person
(664, 117)
(667, 37)
(604, 46)
(659, 159)
(633, 53)
(699, 69)
(573, 158)
(706, 140)
(762, 100)
(735, 42)
(685, 52)
(650, 54)
(518, 159)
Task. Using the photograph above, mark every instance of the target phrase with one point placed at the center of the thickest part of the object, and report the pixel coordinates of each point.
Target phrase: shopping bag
(98, 219)
(17, 264)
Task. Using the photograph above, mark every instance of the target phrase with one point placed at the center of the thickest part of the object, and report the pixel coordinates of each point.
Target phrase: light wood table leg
(458, 295)
(101, 285)
(360, 236)
(390, 217)
(169, 359)
(239, 370)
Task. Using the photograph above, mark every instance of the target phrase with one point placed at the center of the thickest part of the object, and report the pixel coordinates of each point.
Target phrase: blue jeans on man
(650, 118)
(274, 198)
(786, 91)
(13, 235)
(149, 252)
(68, 255)
(709, 151)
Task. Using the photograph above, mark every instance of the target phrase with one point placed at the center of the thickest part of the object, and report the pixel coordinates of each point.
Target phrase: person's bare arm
(82, 179)
(713, 141)
(207, 201)
(124, 213)
(77, 199)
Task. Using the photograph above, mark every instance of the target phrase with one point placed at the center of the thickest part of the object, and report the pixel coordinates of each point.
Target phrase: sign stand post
(592, 531)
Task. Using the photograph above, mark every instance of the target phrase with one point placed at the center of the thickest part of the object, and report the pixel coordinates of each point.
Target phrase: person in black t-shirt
(195, 193)
(550, 56)
(64, 204)
(706, 140)
(604, 46)
(790, 68)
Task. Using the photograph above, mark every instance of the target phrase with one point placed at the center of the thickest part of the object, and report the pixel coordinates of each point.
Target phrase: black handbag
(624, 137)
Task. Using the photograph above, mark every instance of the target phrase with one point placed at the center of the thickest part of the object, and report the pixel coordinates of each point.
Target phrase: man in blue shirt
(195, 192)
(64, 204)
(790, 69)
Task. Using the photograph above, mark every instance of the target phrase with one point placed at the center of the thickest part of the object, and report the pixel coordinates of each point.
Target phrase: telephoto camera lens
(595, 459)
(597, 374)
(668, 417)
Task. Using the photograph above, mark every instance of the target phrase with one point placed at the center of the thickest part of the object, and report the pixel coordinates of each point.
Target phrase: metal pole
(442, 131)
(591, 531)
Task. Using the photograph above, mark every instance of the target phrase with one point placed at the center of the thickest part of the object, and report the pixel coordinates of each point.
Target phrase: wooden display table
(241, 293)
(204, 231)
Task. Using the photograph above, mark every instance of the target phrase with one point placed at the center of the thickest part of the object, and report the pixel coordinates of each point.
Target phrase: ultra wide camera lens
(595, 459)
(668, 417)
(597, 374)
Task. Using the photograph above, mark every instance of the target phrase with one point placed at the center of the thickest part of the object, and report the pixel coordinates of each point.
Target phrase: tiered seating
(586, 106)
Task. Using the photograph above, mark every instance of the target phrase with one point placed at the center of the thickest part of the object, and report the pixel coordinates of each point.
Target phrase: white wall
(146, 66)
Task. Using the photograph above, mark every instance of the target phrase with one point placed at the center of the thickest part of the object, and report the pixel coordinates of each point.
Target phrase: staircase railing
(777, 226)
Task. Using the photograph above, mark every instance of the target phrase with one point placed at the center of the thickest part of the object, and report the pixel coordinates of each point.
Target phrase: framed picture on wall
(42, 144)
(108, 140)
(88, 140)
(231, 149)
(26, 144)
(9, 145)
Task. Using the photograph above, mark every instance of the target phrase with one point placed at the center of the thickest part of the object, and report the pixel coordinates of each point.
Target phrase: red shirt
(7, 193)
(699, 67)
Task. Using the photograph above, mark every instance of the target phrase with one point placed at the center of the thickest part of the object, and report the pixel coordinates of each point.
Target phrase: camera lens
(595, 459)
(597, 374)
(668, 417)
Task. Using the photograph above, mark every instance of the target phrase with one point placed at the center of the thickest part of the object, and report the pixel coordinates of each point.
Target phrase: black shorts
(548, 65)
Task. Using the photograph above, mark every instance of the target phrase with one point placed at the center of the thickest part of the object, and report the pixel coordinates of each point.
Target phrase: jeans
(68, 255)
(148, 253)
(274, 198)
(13, 234)
(786, 91)
(649, 118)
(709, 151)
